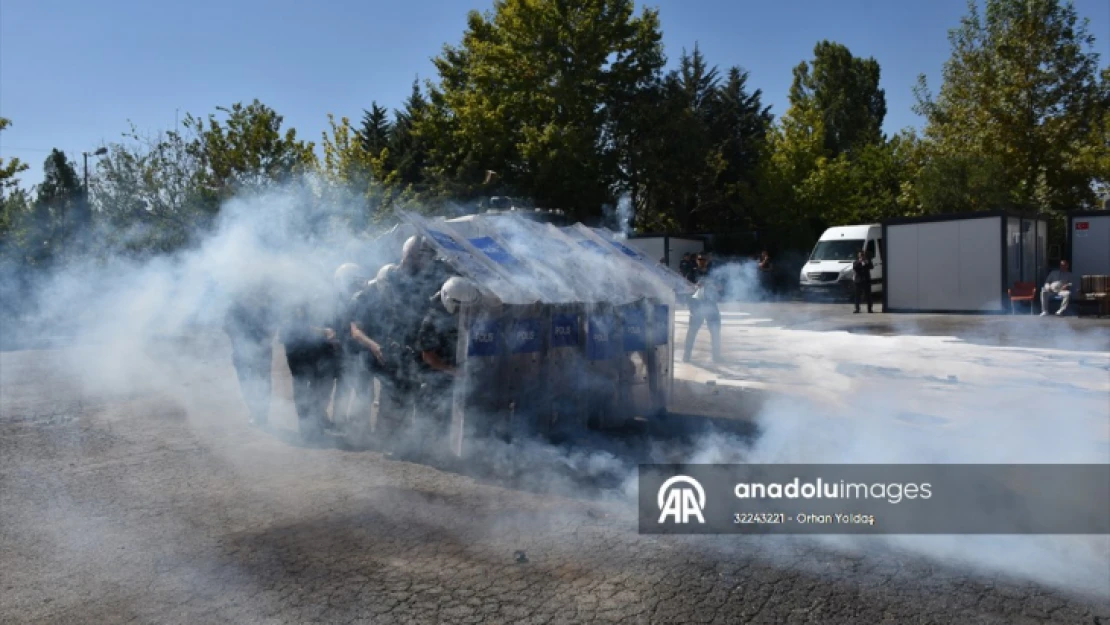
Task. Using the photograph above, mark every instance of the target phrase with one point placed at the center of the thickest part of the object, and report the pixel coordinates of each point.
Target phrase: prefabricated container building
(666, 247)
(960, 263)
(1089, 242)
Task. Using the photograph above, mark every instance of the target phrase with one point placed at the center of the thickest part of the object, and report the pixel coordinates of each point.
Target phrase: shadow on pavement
(588, 463)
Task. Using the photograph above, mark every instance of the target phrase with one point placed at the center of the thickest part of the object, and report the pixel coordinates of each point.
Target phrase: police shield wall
(571, 329)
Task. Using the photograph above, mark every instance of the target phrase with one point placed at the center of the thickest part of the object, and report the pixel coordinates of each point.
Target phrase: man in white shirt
(1059, 282)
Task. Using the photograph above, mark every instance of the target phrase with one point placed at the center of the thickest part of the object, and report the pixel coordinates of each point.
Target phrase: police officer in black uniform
(861, 276)
(437, 343)
(418, 278)
(250, 326)
(686, 265)
(703, 308)
(353, 386)
(374, 323)
(313, 355)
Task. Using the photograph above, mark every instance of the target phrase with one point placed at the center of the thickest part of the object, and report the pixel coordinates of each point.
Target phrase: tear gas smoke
(128, 309)
(625, 216)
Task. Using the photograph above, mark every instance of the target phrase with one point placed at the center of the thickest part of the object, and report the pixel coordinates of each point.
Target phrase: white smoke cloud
(145, 327)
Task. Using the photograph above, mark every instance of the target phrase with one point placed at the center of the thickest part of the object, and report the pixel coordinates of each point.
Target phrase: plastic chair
(1023, 292)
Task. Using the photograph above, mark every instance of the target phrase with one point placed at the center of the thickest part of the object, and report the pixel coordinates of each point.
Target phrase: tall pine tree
(408, 150)
(375, 130)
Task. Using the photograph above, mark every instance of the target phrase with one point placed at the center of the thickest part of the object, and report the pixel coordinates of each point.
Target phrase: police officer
(686, 264)
(353, 380)
(372, 324)
(417, 279)
(861, 277)
(250, 326)
(378, 326)
(312, 352)
(437, 343)
(703, 308)
(420, 275)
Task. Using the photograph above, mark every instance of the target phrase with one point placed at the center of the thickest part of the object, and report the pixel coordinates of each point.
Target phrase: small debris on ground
(520, 556)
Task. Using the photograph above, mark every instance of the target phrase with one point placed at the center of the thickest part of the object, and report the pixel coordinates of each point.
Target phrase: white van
(829, 268)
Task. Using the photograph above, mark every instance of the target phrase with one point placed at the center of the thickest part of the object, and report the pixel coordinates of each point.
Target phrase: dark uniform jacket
(862, 269)
(250, 321)
(706, 280)
(416, 294)
(301, 332)
(439, 333)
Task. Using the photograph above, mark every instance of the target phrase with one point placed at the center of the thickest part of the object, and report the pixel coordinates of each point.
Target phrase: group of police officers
(399, 327)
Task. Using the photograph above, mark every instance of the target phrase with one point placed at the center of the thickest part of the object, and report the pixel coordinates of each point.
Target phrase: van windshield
(840, 249)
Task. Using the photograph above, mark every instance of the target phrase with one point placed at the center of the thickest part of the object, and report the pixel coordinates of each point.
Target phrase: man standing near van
(862, 278)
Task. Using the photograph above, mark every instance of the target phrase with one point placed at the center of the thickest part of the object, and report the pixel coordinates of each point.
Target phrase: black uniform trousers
(863, 291)
(315, 370)
(252, 357)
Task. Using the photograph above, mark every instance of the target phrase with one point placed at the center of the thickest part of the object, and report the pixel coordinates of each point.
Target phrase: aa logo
(681, 497)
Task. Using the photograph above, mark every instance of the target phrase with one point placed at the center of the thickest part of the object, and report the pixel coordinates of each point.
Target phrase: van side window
(871, 249)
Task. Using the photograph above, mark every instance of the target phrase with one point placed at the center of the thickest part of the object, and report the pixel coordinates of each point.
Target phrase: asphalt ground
(142, 495)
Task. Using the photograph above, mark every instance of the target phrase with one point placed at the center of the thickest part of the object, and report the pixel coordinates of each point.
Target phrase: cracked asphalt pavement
(142, 502)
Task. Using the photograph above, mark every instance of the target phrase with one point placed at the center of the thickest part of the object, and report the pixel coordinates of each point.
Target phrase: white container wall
(959, 263)
(1089, 240)
(665, 245)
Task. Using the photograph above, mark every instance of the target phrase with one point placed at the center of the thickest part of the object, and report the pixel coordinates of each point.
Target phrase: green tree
(528, 94)
(354, 171)
(408, 149)
(375, 131)
(57, 200)
(1021, 91)
(740, 125)
(806, 189)
(148, 194)
(950, 183)
(246, 150)
(844, 90)
(692, 149)
(866, 187)
(14, 202)
(15, 208)
(796, 148)
(11, 169)
(686, 160)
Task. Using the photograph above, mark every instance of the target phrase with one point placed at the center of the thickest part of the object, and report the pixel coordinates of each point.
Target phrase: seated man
(1060, 283)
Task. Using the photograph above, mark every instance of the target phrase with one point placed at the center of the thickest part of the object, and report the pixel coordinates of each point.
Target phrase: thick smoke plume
(859, 399)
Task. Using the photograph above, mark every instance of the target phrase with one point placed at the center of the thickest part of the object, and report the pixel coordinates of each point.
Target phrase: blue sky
(73, 74)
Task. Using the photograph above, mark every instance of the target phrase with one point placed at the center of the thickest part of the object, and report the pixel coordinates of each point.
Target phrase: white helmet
(416, 252)
(349, 277)
(385, 274)
(457, 291)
